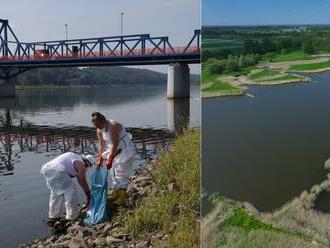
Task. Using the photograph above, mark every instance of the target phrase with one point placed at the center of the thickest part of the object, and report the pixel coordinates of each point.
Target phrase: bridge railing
(106, 54)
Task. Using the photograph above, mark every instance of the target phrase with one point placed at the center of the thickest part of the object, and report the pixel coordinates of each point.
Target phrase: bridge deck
(190, 56)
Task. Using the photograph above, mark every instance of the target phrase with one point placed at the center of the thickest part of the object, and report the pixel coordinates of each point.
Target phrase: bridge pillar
(178, 81)
(7, 88)
(178, 114)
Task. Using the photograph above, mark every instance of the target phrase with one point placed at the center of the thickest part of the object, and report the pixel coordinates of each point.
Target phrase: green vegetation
(175, 211)
(231, 225)
(238, 51)
(218, 87)
(208, 77)
(91, 76)
(213, 86)
(287, 77)
(261, 40)
(231, 64)
(221, 47)
(259, 75)
(286, 56)
(240, 218)
(271, 76)
(311, 66)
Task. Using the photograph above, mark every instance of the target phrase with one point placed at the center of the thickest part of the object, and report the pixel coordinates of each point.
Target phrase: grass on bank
(177, 211)
(271, 76)
(261, 74)
(220, 87)
(311, 66)
(287, 77)
(233, 227)
(213, 86)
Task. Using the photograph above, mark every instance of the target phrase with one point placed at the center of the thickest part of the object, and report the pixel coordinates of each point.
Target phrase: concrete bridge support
(178, 114)
(178, 81)
(7, 88)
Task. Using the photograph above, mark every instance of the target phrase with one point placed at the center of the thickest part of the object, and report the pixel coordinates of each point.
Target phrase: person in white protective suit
(59, 174)
(118, 150)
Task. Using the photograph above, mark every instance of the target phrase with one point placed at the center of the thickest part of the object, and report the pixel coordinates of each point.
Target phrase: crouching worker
(118, 151)
(59, 174)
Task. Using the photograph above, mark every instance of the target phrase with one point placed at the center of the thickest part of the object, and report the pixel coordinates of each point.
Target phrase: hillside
(92, 76)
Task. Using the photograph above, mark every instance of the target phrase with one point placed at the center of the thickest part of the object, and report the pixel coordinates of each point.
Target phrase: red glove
(99, 161)
(109, 163)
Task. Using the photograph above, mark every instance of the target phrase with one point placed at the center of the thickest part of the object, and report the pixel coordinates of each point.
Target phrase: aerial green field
(214, 44)
(283, 78)
(311, 66)
(260, 75)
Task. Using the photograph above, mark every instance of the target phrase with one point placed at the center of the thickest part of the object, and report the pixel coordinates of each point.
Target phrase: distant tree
(251, 46)
(308, 46)
(232, 64)
(266, 46)
(242, 62)
(206, 54)
(280, 44)
(215, 66)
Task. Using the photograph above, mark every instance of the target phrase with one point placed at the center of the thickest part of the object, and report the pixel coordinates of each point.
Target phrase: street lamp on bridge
(121, 23)
(66, 31)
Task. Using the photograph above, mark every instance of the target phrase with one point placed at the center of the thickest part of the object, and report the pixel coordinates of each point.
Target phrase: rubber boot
(114, 195)
(122, 196)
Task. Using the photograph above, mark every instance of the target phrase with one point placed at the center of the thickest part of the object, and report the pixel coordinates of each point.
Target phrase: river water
(37, 125)
(268, 148)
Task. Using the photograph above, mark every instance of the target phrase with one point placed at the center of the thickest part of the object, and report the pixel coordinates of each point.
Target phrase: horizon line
(256, 25)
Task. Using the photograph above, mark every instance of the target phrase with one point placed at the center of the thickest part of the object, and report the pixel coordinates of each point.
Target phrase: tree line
(254, 49)
(231, 64)
(89, 76)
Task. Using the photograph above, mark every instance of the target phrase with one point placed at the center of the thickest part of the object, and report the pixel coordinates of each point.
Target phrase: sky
(38, 20)
(265, 12)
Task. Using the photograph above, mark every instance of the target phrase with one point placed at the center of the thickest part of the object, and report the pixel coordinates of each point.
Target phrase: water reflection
(16, 139)
(178, 115)
(52, 99)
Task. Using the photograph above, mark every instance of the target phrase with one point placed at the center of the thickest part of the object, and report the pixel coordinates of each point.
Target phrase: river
(37, 125)
(268, 148)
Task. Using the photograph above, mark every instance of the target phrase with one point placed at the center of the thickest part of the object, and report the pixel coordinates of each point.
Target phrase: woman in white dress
(118, 150)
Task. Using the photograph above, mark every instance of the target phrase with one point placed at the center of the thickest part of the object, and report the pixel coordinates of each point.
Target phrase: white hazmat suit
(59, 174)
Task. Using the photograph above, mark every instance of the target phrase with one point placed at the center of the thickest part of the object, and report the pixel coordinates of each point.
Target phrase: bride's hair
(97, 116)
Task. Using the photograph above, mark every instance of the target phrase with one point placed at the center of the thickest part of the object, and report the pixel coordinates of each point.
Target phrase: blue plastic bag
(97, 211)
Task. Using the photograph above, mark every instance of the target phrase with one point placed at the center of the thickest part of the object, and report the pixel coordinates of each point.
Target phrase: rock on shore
(109, 234)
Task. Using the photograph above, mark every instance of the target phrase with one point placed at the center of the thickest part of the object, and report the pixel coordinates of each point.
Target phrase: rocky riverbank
(160, 184)
(110, 234)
